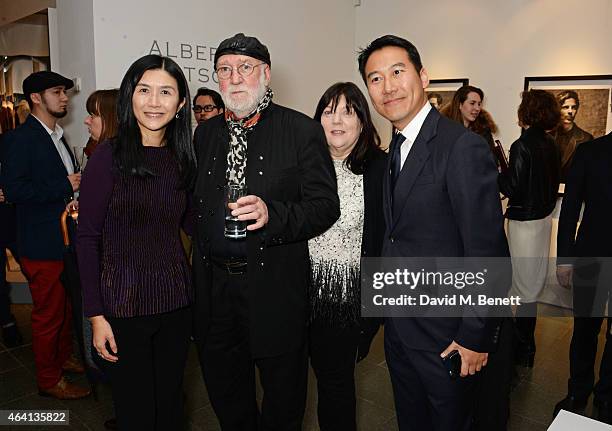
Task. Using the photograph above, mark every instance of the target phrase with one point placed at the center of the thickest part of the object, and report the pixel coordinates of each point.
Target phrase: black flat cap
(40, 81)
(243, 45)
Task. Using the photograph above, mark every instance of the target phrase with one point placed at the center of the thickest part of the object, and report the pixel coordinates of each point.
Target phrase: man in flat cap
(39, 177)
(251, 294)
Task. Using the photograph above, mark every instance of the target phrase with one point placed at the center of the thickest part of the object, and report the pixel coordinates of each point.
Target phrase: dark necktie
(396, 157)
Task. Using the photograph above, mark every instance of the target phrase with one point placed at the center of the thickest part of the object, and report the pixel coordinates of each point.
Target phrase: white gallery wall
(310, 42)
(496, 43)
(72, 48)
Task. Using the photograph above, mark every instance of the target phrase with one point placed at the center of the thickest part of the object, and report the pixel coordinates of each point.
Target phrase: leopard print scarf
(238, 130)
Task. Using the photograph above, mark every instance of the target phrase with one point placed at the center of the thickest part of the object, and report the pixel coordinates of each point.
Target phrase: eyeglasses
(206, 108)
(244, 70)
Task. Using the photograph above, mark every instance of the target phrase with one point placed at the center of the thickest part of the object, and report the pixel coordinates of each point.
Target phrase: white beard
(242, 108)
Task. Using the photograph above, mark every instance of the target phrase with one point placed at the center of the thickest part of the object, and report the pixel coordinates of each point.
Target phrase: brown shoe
(72, 365)
(63, 390)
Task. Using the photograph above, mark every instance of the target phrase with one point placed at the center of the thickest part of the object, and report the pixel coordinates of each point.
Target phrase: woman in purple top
(135, 276)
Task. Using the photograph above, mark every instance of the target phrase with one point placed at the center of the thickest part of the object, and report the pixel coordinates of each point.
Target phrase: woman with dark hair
(531, 185)
(102, 119)
(466, 108)
(134, 273)
(338, 335)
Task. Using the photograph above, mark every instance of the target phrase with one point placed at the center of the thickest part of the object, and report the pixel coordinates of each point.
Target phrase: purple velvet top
(130, 256)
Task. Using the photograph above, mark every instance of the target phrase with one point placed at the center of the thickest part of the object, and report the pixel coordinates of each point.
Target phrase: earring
(177, 116)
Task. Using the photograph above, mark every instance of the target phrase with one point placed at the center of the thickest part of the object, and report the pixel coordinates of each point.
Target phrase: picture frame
(441, 91)
(592, 111)
(593, 118)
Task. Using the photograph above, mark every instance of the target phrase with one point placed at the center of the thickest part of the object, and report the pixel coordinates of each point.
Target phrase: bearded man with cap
(251, 294)
(39, 177)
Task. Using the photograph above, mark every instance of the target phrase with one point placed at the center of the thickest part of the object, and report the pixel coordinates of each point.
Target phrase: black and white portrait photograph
(586, 110)
(441, 91)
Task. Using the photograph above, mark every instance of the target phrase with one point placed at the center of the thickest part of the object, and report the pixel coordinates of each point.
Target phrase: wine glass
(79, 159)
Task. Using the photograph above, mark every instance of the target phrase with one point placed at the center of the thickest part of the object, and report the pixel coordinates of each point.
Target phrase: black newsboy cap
(40, 81)
(243, 45)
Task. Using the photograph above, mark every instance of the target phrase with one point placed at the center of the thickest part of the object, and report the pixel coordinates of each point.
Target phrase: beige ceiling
(12, 10)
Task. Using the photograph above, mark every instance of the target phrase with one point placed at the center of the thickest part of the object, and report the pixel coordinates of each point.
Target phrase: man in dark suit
(39, 178)
(585, 258)
(440, 200)
(251, 305)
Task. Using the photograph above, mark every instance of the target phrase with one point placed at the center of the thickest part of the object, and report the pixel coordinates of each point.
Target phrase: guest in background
(101, 123)
(531, 184)
(436, 100)
(338, 335)
(584, 258)
(11, 336)
(135, 276)
(102, 119)
(22, 111)
(38, 175)
(207, 104)
(466, 108)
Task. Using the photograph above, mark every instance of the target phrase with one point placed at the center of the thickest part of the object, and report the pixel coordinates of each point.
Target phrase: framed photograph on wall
(586, 113)
(441, 91)
(586, 109)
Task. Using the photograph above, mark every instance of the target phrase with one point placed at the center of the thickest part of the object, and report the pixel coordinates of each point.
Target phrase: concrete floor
(533, 398)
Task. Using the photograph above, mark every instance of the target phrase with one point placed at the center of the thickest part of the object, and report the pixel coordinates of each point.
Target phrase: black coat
(289, 167)
(373, 222)
(589, 181)
(445, 204)
(531, 182)
(8, 221)
(36, 181)
(373, 218)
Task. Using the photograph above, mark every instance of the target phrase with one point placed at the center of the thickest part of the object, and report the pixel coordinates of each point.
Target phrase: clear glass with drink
(234, 228)
(79, 158)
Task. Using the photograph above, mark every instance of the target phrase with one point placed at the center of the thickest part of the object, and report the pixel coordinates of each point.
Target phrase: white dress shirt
(56, 136)
(411, 131)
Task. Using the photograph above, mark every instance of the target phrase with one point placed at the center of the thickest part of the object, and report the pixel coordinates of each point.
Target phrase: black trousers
(147, 379)
(426, 398)
(333, 350)
(228, 366)
(591, 293)
(493, 399)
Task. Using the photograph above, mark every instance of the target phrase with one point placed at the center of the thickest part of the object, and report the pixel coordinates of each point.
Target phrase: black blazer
(373, 221)
(373, 218)
(445, 204)
(36, 180)
(589, 181)
(8, 221)
(289, 167)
